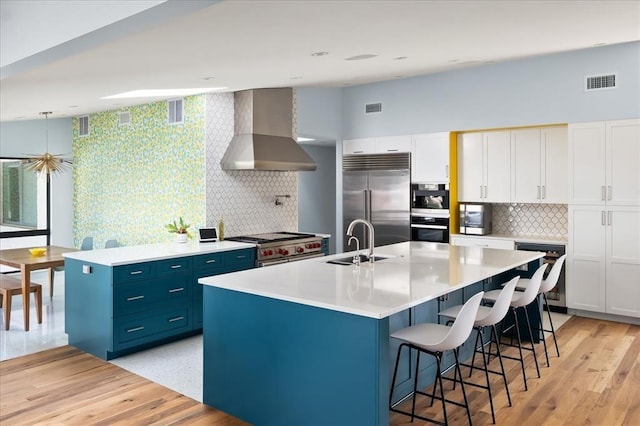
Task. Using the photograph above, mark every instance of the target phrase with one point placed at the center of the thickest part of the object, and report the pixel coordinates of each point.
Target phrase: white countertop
(145, 253)
(414, 272)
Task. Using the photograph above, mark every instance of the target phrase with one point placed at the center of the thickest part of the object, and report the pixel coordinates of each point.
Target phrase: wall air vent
(83, 125)
(175, 115)
(600, 82)
(124, 118)
(373, 108)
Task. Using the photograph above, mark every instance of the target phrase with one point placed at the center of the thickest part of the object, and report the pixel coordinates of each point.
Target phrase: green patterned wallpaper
(129, 181)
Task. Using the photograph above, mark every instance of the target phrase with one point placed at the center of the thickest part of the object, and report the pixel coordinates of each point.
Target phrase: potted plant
(180, 228)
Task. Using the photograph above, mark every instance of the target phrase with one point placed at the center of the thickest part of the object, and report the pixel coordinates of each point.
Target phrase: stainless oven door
(429, 228)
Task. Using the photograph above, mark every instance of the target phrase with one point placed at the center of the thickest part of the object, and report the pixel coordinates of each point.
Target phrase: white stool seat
(427, 336)
(452, 312)
(518, 299)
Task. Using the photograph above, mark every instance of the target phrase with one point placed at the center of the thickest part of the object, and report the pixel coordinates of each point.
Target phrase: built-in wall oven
(430, 213)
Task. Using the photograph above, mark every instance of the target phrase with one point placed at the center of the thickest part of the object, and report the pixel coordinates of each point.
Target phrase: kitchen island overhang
(308, 342)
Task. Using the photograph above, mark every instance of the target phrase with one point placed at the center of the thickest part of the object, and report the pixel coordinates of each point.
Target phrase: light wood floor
(596, 381)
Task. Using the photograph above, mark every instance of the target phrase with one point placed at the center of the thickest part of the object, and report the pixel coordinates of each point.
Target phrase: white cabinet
(603, 262)
(391, 144)
(484, 172)
(604, 163)
(378, 145)
(472, 241)
(539, 165)
(359, 146)
(430, 158)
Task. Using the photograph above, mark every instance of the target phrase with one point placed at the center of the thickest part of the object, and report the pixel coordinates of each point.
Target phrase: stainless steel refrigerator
(377, 187)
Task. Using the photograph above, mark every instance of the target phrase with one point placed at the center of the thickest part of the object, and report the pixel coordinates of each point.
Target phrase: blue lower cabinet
(113, 311)
(217, 264)
(325, 246)
(141, 329)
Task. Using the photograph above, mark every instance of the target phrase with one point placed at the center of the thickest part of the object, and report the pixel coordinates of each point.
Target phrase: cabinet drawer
(244, 256)
(139, 297)
(172, 266)
(131, 331)
(135, 272)
(208, 261)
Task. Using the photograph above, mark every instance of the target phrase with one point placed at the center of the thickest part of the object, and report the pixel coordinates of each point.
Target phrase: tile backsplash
(531, 220)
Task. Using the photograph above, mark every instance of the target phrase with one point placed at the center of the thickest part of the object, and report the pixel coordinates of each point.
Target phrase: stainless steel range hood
(263, 138)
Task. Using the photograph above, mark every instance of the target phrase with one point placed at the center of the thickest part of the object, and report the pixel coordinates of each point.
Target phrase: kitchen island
(308, 342)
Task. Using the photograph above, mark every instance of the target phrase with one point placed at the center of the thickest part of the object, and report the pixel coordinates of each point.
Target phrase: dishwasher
(556, 297)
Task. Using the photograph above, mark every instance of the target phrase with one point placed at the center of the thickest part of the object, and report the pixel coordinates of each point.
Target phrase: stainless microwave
(476, 218)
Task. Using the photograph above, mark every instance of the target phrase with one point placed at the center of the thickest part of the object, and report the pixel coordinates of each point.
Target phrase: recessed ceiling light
(208, 78)
(360, 57)
(600, 44)
(319, 53)
(298, 77)
(399, 58)
(73, 106)
(454, 61)
(158, 93)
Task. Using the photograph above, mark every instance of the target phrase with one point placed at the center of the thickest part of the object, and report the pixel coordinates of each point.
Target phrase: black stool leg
(486, 373)
(524, 373)
(464, 393)
(541, 330)
(415, 387)
(395, 373)
(533, 347)
(504, 376)
(553, 331)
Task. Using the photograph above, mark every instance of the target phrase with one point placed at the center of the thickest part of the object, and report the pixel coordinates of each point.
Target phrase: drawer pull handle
(211, 261)
(129, 299)
(135, 272)
(176, 319)
(133, 330)
(176, 266)
(175, 290)
(240, 257)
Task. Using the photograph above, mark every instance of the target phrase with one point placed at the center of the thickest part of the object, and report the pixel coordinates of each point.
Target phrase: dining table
(22, 259)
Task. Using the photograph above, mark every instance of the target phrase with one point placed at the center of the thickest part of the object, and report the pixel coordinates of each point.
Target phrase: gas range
(282, 247)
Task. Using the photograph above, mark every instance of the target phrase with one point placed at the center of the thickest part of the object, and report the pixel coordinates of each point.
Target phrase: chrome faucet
(369, 227)
(356, 257)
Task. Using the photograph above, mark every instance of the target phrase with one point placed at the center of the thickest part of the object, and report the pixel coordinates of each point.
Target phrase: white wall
(540, 90)
(23, 138)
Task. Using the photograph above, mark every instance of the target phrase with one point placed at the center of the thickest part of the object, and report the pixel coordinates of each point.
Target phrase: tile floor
(178, 365)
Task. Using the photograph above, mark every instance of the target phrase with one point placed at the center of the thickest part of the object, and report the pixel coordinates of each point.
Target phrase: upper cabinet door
(430, 158)
(391, 144)
(470, 167)
(554, 174)
(359, 146)
(623, 162)
(586, 163)
(497, 166)
(526, 186)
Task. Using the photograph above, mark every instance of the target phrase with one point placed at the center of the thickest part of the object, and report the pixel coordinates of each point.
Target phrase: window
(83, 125)
(175, 111)
(24, 196)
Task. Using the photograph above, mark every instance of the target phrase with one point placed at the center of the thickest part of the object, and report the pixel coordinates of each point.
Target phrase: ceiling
(251, 44)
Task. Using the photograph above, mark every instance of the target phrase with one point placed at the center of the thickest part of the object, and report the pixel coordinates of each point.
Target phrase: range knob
(300, 250)
(265, 252)
(270, 252)
(280, 251)
(286, 252)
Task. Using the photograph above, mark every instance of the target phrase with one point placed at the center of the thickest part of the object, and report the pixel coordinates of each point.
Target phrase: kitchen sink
(349, 260)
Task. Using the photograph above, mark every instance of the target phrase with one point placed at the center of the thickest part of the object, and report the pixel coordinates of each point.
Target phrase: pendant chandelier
(46, 163)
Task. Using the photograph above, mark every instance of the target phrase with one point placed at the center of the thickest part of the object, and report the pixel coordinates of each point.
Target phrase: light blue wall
(316, 194)
(319, 112)
(540, 90)
(20, 138)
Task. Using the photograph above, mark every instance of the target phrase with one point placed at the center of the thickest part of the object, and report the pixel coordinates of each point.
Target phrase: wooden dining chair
(11, 286)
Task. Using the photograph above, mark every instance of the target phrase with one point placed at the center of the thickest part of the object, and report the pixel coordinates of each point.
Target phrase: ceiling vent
(373, 108)
(124, 118)
(600, 82)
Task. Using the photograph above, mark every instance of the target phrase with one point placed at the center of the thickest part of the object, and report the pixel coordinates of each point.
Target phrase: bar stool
(521, 300)
(9, 287)
(547, 285)
(488, 317)
(435, 339)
